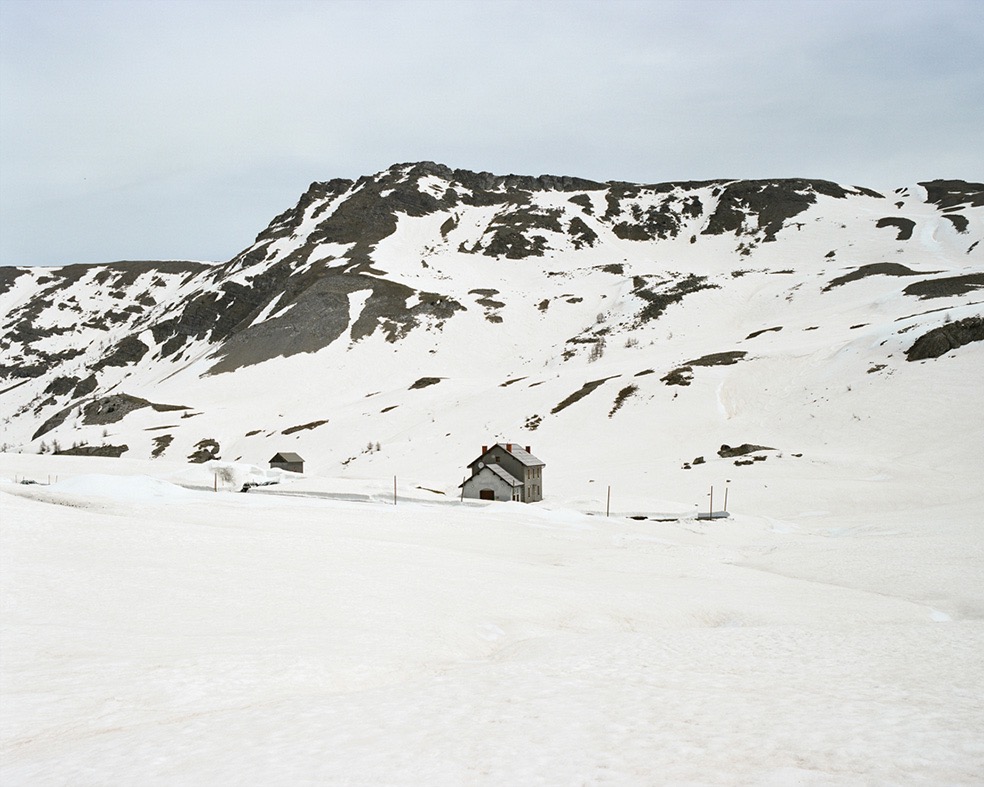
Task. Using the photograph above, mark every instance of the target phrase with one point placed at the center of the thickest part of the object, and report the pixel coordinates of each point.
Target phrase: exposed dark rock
(112, 408)
(423, 382)
(727, 452)
(946, 287)
(22, 370)
(302, 427)
(875, 269)
(206, 450)
(960, 222)
(579, 394)
(954, 193)
(511, 236)
(624, 394)
(129, 350)
(448, 225)
(286, 223)
(582, 200)
(719, 359)
(114, 451)
(161, 442)
(940, 341)
(581, 234)
(658, 221)
(683, 375)
(771, 202)
(8, 276)
(168, 408)
(753, 334)
(54, 421)
(665, 293)
(85, 387)
(904, 226)
(62, 385)
(487, 300)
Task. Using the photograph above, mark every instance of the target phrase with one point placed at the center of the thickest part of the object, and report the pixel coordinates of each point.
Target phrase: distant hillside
(431, 310)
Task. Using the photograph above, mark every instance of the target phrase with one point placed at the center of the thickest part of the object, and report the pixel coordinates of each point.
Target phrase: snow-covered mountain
(627, 332)
(813, 349)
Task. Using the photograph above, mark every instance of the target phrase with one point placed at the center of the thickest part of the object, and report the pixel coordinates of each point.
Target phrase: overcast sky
(176, 129)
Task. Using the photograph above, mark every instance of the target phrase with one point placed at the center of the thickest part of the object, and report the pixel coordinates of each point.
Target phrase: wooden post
(215, 482)
(711, 511)
(394, 490)
(608, 503)
(726, 499)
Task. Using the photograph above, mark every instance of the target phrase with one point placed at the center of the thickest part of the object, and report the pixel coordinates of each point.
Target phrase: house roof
(497, 469)
(507, 477)
(518, 452)
(287, 456)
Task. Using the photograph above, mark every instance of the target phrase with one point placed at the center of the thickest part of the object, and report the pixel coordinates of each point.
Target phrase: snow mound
(131, 488)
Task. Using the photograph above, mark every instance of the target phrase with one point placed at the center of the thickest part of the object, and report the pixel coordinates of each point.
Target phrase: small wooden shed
(287, 460)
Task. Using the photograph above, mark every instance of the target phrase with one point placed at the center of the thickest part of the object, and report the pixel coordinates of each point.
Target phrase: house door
(486, 494)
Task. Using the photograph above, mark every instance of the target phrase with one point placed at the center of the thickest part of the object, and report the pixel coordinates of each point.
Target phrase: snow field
(157, 635)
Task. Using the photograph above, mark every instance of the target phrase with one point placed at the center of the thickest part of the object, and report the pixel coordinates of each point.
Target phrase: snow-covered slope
(623, 329)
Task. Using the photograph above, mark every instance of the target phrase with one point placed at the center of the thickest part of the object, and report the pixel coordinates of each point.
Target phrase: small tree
(597, 350)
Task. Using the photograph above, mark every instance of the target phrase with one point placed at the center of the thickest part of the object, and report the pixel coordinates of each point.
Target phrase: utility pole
(608, 503)
(710, 513)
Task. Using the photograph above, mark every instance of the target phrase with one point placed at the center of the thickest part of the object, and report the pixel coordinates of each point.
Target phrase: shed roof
(287, 456)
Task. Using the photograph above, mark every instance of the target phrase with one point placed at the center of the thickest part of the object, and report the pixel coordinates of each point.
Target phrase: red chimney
(509, 447)
(528, 450)
(485, 449)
